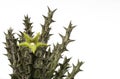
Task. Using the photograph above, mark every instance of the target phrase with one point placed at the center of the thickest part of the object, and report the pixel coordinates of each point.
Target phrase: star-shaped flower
(32, 43)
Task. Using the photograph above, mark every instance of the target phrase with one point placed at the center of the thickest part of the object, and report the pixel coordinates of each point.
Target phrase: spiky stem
(40, 62)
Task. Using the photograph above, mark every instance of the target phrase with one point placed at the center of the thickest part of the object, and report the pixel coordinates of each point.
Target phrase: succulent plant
(31, 58)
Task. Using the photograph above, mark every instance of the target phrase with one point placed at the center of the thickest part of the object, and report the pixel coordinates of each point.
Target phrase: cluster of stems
(42, 63)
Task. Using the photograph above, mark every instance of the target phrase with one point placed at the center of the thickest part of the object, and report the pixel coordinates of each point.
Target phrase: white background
(97, 33)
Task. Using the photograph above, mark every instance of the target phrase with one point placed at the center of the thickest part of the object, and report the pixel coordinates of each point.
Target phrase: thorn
(49, 49)
(44, 17)
(54, 46)
(50, 35)
(73, 65)
(70, 41)
(70, 23)
(7, 48)
(66, 49)
(54, 10)
(69, 74)
(65, 28)
(11, 66)
(42, 25)
(48, 9)
(11, 75)
(61, 56)
(63, 75)
(52, 21)
(10, 30)
(61, 36)
(5, 33)
(74, 26)
(5, 54)
(57, 44)
(26, 16)
(4, 43)
(80, 70)
(59, 64)
(69, 59)
(65, 58)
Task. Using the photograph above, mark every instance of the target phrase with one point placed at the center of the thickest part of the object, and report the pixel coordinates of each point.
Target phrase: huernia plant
(31, 57)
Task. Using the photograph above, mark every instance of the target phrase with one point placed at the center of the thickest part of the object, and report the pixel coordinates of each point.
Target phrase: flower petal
(27, 37)
(41, 44)
(36, 38)
(24, 44)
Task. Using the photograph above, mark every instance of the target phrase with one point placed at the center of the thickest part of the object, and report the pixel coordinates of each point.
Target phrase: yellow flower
(32, 43)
